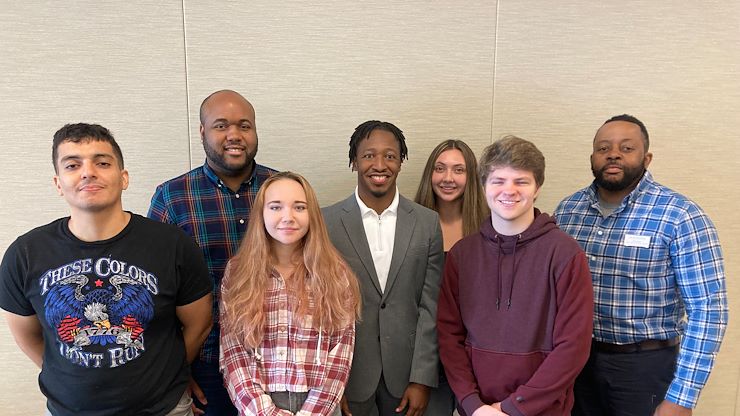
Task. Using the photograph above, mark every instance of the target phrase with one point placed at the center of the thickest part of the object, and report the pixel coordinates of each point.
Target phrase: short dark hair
(83, 133)
(513, 152)
(632, 119)
(363, 131)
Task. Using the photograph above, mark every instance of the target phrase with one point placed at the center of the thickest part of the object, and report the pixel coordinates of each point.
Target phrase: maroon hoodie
(514, 319)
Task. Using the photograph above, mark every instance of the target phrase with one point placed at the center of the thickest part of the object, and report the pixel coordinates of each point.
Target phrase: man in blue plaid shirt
(212, 204)
(660, 301)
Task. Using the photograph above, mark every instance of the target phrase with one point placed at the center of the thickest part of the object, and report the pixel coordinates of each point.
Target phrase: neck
(613, 197)
(378, 204)
(98, 226)
(450, 212)
(512, 227)
(234, 182)
(285, 256)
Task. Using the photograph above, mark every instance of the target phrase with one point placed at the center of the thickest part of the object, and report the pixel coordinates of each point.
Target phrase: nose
(613, 154)
(87, 170)
(379, 163)
(233, 132)
(287, 216)
(448, 175)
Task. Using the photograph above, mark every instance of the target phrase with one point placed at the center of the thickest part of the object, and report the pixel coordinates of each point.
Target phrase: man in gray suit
(394, 247)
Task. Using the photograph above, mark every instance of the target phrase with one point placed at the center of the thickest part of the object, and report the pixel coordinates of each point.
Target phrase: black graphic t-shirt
(112, 342)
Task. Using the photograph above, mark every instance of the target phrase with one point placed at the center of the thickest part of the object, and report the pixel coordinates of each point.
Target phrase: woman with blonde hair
(450, 185)
(288, 308)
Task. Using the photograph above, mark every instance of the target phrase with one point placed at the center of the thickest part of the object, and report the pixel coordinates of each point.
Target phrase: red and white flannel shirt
(293, 357)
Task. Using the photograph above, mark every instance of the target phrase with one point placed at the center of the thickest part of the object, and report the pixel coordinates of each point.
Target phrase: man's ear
(647, 160)
(124, 179)
(354, 166)
(58, 185)
(202, 133)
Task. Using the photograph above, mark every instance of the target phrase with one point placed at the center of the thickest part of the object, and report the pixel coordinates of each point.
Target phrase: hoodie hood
(542, 224)
(506, 246)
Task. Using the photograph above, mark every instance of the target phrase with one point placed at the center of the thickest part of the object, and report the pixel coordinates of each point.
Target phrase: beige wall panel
(561, 70)
(122, 66)
(314, 71)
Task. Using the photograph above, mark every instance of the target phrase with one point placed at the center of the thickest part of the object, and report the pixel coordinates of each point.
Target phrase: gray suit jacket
(397, 333)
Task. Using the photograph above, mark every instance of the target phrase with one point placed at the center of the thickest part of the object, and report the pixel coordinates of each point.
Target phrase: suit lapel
(352, 222)
(405, 223)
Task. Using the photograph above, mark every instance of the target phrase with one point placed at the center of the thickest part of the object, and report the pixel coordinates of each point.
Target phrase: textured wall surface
(548, 72)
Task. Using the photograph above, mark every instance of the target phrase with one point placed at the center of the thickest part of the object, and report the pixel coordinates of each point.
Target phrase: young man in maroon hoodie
(515, 310)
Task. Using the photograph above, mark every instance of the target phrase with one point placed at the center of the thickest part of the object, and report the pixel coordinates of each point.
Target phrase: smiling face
(377, 164)
(89, 176)
(619, 159)
(510, 194)
(229, 133)
(286, 214)
(449, 176)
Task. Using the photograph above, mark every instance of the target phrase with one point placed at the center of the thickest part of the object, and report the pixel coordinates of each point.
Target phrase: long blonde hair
(474, 207)
(323, 285)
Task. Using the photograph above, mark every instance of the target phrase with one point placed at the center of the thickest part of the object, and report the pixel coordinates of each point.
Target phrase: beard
(630, 176)
(230, 169)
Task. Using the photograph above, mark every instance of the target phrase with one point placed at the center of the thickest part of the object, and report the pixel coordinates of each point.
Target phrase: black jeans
(624, 384)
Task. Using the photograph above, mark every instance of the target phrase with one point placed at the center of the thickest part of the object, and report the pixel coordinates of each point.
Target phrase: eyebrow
(78, 157)
(277, 201)
(223, 120)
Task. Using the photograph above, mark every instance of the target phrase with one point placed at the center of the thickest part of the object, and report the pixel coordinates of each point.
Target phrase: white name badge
(632, 240)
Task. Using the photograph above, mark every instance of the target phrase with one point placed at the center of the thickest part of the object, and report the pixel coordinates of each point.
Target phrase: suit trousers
(381, 403)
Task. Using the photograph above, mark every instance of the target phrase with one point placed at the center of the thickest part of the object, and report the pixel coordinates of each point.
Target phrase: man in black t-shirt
(110, 305)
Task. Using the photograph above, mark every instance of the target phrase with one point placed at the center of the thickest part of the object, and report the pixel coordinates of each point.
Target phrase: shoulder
(561, 240)
(42, 234)
(264, 171)
(423, 213)
(567, 203)
(671, 204)
(157, 231)
(343, 205)
(181, 180)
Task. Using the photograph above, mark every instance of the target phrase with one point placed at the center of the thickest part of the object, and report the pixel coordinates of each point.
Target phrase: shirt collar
(211, 175)
(364, 209)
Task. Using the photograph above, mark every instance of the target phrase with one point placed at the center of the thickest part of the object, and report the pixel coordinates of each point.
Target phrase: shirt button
(519, 399)
(593, 258)
(282, 328)
(599, 232)
(236, 196)
(382, 305)
(241, 221)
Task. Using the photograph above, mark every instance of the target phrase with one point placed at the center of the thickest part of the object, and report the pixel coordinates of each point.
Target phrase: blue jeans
(211, 381)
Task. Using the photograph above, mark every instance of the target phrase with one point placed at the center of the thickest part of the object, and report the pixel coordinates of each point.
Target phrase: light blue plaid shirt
(657, 273)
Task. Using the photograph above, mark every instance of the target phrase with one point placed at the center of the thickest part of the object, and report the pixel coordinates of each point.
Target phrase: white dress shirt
(380, 231)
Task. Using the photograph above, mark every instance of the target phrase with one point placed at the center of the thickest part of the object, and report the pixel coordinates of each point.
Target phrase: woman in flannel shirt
(289, 304)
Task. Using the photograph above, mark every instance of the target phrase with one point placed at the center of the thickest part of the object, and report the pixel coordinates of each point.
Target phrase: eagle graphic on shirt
(114, 312)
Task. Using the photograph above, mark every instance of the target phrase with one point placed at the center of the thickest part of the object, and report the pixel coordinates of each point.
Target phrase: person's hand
(197, 394)
(497, 406)
(489, 410)
(666, 408)
(415, 398)
(344, 406)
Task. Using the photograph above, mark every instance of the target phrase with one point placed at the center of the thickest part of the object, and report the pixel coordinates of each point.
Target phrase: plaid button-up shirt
(293, 356)
(215, 216)
(658, 273)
